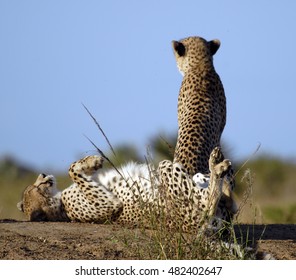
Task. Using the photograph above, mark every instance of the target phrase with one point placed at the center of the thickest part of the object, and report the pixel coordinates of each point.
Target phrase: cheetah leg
(217, 174)
(227, 199)
(227, 202)
(88, 200)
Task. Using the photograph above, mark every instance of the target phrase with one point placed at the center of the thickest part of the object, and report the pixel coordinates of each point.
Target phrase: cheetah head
(192, 52)
(37, 198)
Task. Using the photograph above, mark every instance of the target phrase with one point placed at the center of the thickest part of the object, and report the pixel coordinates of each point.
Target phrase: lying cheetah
(201, 112)
(133, 195)
(130, 196)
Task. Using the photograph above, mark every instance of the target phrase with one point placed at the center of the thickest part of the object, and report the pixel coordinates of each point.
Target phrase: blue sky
(116, 58)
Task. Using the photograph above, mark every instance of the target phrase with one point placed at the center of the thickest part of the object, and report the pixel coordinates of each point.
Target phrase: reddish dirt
(65, 241)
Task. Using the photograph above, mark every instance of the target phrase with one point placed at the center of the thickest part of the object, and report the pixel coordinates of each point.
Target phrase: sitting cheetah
(201, 104)
(130, 196)
(201, 111)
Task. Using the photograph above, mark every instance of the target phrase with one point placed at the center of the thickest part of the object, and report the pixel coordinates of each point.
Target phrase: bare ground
(65, 241)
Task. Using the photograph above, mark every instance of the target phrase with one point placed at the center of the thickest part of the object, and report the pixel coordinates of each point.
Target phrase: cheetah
(201, 103)
(201, 112)
(128, 195)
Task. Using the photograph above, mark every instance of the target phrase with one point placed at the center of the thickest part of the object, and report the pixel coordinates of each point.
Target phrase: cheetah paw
(217, 163)
(216, 156)
(44, 179)
(222, 167)
(88, 165)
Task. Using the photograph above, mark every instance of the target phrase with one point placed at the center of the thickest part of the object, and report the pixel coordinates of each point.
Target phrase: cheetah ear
(214, 45)
(179, 48)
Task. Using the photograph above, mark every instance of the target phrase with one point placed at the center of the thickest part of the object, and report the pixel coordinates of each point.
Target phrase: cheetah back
(201, 104)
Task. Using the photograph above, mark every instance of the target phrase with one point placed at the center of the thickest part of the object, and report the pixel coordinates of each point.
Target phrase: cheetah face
(193, 51)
